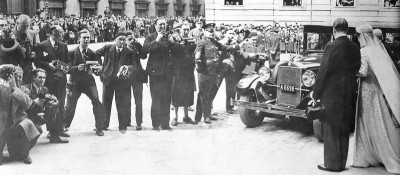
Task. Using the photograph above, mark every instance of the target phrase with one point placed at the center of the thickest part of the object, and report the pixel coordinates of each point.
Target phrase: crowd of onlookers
(102, 27)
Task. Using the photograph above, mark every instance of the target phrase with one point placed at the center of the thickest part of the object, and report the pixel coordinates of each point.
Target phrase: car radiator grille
(289, 76)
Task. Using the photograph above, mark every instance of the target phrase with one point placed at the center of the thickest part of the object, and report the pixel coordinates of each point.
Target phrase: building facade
(130, 8)
(304, 11)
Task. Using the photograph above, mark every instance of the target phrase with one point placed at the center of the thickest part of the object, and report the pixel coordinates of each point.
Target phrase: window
(344, 3)
(391, 4)
(291, 2)
(233, 2)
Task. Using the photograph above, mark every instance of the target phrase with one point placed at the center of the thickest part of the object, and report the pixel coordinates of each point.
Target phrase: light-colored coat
(19, 101)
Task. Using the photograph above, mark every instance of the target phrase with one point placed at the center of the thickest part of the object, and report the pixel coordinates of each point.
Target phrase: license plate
(287, 88)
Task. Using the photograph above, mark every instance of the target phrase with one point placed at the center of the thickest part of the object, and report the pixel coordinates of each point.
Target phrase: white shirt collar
(118, 49)
(52, 41)
(81, 49)
(340, 35)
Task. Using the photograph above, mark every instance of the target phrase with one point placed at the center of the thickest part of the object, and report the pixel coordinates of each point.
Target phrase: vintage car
(283, 92)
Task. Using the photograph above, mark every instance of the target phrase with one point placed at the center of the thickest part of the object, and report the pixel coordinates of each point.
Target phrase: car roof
(324, 27)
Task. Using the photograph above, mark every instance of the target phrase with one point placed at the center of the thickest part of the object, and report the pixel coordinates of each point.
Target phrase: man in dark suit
(48, 53)
(159, 68)
(139, 76)
(81, 81)
(37, 89)
(336, 86)
(116, 57)
(272, 46)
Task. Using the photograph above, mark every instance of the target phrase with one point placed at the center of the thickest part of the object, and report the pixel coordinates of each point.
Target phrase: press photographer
(16, 130)
(117, 59)
(159, 68)
(52, 57)
(84, 63)
(46, 111)
(28, 41)
(10, 50)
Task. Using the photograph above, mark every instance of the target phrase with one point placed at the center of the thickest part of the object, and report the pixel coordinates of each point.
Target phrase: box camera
(93, 67)
(61, 68)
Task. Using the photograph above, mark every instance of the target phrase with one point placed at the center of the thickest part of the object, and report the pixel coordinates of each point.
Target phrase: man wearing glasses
(27, 39)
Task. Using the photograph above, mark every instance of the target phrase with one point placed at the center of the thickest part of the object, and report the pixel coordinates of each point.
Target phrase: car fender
(245, 83)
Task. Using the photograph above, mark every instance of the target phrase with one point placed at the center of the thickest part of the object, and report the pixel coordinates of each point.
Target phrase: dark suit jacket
(336, 82)
(109, 52)
(272, 42)
(139, 75)
(33, 94)
(159, 55)
(45, 54)
(81, 78)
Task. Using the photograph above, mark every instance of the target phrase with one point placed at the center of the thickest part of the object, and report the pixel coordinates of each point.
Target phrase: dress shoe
(156, 129)
(27, 160)
(188, 120)
(207, 120)
(64, 134)
(57, 139)
(167, 128)
(138, 127)
(213, 118)
(122, 131)
(100, 133)
(174, 122)
(324, 168)
(230, 111)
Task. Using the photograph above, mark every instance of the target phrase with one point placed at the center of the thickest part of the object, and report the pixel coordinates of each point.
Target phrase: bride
(377, 135)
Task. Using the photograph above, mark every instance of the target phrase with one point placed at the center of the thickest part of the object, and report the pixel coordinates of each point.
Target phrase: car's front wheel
(251, 118)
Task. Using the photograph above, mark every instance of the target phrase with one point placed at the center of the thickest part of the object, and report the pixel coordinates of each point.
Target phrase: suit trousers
(161, 92)
(138, 95)
(205, 97)
(73, 94)
(336, 146)
(122, 89)
(58, 89)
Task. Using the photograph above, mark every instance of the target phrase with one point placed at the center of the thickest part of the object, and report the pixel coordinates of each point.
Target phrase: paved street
(223, 147)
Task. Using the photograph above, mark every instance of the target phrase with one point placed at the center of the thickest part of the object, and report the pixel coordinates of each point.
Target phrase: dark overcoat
(336, 82)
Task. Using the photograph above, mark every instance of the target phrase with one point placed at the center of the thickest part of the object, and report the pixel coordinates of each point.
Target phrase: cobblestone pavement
(225, 147)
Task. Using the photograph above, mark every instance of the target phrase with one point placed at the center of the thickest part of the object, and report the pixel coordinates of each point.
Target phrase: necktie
(56, 45)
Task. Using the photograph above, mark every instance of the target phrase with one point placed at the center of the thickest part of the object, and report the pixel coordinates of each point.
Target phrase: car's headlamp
(265, 73)
(308, 78)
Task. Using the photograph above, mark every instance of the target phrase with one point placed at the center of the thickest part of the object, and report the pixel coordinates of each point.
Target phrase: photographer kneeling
(16, 130)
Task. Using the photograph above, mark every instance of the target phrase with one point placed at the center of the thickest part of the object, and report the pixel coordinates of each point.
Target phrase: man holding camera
(118, 59)
(159, 68)
(52, 57)
(37, 91)
(16, 130)
(138, 77)
(27, 39)
(83, 62)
